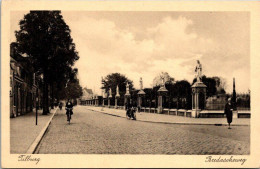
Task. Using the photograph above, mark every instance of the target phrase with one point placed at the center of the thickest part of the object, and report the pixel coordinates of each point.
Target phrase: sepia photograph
(129, 82)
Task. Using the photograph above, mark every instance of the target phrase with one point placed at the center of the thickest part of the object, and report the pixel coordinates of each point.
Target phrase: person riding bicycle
(68, 106)
(130, 109)
(60, 105)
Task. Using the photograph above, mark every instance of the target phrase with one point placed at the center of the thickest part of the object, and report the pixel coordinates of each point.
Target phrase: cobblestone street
(96, 133)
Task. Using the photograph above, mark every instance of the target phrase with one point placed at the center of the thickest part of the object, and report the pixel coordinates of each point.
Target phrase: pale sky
(143, 44)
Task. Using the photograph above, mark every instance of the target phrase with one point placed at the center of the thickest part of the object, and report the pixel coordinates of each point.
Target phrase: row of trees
(44, 38)
(179, 92)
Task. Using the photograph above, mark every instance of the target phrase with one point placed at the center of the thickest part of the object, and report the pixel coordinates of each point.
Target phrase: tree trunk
(45, 95)
(169, 102)
(177, 102)
(52, 96)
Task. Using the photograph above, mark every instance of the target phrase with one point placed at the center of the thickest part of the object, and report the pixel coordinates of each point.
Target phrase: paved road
(97, 133)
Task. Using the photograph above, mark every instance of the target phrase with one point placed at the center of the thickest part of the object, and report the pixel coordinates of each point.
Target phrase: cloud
(173, 41)
(170, 42)
(165, 46)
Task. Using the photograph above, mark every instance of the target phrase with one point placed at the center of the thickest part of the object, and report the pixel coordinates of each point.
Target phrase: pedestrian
(228, 112)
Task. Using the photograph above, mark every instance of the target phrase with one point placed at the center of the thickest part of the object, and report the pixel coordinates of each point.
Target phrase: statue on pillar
(117, 96)
(141, 83)
(102, 87)
(110, 92)
(127, 88)
(127, 95)
(117, 91)
(198, 71)
(198, 92)
(163, 82)
(141, 92)
(162, 91)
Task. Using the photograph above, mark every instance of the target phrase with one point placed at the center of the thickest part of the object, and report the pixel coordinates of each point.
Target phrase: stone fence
(188, 113)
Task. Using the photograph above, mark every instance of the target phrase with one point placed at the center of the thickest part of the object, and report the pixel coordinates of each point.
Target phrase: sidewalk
(172, 119)
(24, 132)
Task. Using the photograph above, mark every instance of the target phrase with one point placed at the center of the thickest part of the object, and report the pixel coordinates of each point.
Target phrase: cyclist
(60, 105)
(69, 107)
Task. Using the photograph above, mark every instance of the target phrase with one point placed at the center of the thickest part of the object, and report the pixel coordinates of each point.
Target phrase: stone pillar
(115, 103)
(103, 99)
(127, 95)
(109, 97)
(126, 99)
(160, 107)
(198, 92)
(117, 96)
(103, 91)
(139, 101)
(141, 95)
(96, 101)
(162, 92)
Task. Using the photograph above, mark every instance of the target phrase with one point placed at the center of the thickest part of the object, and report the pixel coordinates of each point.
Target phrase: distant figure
(198, 70)
(228, 112)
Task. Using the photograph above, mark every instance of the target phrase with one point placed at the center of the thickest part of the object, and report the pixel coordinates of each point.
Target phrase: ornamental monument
(198, 92)
(127, 95)
(140, 94)
(103, 92)
(109, 97)
(117, 96)
(162, 92)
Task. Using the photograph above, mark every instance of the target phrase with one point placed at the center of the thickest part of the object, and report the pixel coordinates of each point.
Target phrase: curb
(178, 123)
(36, 142)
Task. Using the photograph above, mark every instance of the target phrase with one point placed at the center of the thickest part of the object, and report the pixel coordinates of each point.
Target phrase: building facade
(23, 86)
(87, 94)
